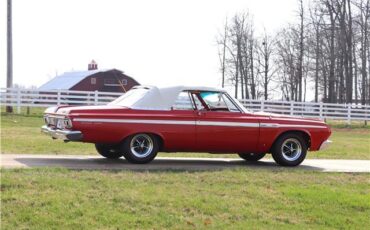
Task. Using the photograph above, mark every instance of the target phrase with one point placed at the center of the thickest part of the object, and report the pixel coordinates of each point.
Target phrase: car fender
(269, 137)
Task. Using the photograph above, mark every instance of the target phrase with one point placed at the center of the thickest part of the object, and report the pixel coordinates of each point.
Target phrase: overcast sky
(158, 42)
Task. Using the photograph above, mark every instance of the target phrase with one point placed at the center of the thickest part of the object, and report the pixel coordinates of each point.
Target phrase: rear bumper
(66, 135)
(325, 144)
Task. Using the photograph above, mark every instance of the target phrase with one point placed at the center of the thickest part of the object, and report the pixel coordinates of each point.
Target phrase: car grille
(57, 122)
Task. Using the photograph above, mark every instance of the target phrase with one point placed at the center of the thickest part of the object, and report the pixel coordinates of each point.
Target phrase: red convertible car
(146, 120)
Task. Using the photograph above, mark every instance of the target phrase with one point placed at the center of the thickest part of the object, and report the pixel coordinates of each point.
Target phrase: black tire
(140, 148)
(295, 150)
(251, 156)
(109, 151)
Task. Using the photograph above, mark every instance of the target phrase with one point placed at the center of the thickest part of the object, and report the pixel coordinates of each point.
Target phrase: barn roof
(68, 79)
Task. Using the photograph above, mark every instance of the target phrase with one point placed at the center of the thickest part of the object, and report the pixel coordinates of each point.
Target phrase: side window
(183, 102)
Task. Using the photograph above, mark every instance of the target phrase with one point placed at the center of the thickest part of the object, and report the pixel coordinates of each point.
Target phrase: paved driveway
(173, 163)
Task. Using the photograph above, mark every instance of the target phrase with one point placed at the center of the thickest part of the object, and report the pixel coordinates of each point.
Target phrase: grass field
(227, 199)
(21, 134)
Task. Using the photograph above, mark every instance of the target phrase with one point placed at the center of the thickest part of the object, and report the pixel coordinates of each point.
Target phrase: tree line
(325, 53)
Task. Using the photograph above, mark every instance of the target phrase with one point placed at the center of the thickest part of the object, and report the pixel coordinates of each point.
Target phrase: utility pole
(9, 72)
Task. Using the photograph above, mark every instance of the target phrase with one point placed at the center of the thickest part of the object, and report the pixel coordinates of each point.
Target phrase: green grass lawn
(227, 199)
(21, 134)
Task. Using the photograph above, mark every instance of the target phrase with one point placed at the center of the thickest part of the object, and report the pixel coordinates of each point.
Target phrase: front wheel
(251, 156)
(109, 151)
(289, 150)
(140, 148)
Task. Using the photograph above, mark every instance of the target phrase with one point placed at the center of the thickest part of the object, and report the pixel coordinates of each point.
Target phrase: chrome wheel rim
(291, 149)
(141, 145)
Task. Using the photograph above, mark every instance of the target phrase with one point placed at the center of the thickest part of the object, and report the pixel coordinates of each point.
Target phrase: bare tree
(252, 44)
(286, 60)
(327, 49)
(349, 38)
(301, 49)
(363, 22)
(236, 52)
(222, 52)
(316, 19)
(264, 59)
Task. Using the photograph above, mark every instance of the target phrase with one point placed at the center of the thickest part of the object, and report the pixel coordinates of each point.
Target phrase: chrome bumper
(66, 135)
(325, 144)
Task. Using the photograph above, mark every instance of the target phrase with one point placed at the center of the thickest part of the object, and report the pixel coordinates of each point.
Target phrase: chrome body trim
(325, 144)
(228, 124)
(134, 121)
(301, 126)
(269, 125)
(66, 135)
(195, 122)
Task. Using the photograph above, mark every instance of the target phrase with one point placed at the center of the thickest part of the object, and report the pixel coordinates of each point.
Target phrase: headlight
(65, 123)
(60, 124)
(46, 119)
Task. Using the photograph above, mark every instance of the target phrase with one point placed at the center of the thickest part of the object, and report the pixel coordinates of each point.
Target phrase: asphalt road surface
(172, 163)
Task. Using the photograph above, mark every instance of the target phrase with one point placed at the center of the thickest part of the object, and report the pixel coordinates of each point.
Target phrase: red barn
(110, 80)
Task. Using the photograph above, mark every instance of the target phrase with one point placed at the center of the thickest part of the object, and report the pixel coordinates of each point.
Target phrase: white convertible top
(154, 98)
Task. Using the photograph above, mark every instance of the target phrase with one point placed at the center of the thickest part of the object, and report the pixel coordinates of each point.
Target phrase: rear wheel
(289, 150)
(140, 148)
(109, 151)
(252, 156)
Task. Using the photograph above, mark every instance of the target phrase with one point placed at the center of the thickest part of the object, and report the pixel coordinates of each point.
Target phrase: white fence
(36, 98)
(321, 110)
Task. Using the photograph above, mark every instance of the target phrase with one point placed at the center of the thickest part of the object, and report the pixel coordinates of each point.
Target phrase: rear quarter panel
(115, 132)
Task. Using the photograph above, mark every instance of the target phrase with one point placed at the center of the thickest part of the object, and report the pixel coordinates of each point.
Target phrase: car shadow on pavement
(162, 164)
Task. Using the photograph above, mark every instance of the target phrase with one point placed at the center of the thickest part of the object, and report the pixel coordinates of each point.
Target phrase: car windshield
(218, 101)
(130, 98)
